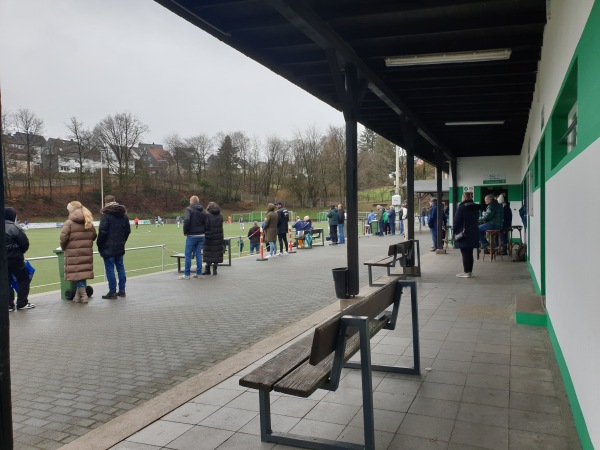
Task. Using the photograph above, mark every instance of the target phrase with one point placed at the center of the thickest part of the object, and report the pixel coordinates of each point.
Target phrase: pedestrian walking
(17, 245)
(195, 222)
(213, 242)
(113, 233)
(77, 240)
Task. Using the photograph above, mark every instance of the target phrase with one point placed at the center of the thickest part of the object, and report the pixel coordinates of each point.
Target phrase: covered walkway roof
(311, 43)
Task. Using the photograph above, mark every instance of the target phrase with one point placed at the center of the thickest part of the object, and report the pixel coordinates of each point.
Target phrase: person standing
(113, 233)
(380, 222)
(506, 223)
(432, 222)
(242, 227)
(194, 230)
(403, 216)
(213, 242)
(392, 219)
(254, 238)
(178, 220)
(282, 228)
(465, 221)
(17, 245)
(136, 221)
(341, 221)
(77, 240)
(270, 230)
(334, 218)
(371, 217)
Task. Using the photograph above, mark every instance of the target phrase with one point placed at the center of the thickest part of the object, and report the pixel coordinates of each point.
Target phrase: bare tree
(3, 135)
(28, 128)
(307, 148)
(271, 176)
(202, 147)
(120, 134)
(334, 169)
(242, 143)
(83, 140)
(182, 156)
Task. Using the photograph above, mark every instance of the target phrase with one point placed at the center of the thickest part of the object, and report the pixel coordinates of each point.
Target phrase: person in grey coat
(465, 221)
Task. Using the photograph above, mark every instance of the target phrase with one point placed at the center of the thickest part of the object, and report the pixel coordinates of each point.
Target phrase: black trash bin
(340, 280)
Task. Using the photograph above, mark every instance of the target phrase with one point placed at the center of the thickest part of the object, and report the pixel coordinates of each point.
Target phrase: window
(571, 134)
(564, 119)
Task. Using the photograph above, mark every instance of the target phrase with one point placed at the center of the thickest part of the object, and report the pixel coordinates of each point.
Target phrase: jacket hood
(114, 208)
(197, 206)
(270, 207)
(77, 216)
(10, 214)
(213, 208)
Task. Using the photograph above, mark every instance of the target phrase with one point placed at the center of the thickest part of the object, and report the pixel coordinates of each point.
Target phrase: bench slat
(265, 376)
(326, 334)
(306, 379)
(385, 261)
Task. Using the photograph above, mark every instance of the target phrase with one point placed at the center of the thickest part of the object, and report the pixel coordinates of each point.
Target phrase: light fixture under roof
(448, 58)
(474, 122)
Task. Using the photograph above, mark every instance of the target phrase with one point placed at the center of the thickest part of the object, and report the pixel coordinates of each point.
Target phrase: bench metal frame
(226, 246)
(360, 323)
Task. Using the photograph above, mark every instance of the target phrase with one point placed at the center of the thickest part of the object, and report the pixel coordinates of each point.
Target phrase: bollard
(290, 246)
(262, 250)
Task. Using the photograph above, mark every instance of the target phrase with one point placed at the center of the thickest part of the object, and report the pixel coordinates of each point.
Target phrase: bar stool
(510, 242)
(493, 237)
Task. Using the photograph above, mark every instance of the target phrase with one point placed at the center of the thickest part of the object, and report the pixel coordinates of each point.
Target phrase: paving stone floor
(492, 384)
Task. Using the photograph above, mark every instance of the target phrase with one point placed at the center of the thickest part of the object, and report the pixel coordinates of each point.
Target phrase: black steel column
(440, 208)
(408, 135)
(455, 193)
(6, 430)
(352, 181)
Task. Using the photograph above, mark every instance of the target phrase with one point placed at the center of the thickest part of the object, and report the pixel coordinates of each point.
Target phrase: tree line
(308, 170)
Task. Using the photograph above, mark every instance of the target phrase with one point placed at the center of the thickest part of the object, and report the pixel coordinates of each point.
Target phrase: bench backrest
(326, 335)
(406, 251)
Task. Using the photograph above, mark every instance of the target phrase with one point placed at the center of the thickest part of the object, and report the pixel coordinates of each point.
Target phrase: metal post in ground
(262, 250)
(290, 246)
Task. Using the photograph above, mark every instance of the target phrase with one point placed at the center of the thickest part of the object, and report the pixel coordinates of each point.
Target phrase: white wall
(573, 298)
(563, 31)
(533, 230)
(472, 171)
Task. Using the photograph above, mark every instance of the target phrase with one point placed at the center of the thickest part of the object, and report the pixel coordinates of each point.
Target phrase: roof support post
(6, 426)
(353, 94)
(455, 193)
(408, 133)
(440, 208)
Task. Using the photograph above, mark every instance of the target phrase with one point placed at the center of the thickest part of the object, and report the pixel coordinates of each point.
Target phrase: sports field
(137, 262)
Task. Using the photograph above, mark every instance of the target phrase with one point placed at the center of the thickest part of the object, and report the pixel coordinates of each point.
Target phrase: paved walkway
(174, 350)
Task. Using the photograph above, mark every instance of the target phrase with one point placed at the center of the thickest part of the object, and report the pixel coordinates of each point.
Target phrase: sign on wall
(495, 178)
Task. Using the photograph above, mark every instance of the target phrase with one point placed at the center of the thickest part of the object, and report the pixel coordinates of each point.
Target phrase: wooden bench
(404, 253)
(316, 362)
(226, 249)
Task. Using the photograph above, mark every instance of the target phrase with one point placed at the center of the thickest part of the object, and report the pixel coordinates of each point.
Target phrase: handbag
(460, 236)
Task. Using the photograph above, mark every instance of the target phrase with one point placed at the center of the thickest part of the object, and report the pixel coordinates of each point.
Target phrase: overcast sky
(93, 58)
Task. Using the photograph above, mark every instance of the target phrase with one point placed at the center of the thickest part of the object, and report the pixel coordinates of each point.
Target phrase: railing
(53, 273)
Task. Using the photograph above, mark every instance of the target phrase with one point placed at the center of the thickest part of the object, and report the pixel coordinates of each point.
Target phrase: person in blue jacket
(432, 222)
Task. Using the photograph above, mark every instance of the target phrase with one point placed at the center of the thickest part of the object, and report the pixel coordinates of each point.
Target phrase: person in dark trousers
(282, 227)
(392, 219)
(466, 221)
(506, 223)
(213, 242)
(341, 221)
(432, 222)
(113, 233)
(254, 237)
(380, 221)
(334, 218)
(194, 230)
(17, 245)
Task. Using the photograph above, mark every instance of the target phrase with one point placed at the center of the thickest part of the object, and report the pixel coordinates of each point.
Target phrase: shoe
(197, 275)
(27, 306)
(215, 269)
(110, 295)
(183, 277)
(121, 294)
(11, 309)
(82, 294)
(464, 275)
(432, 249)
(286, 253)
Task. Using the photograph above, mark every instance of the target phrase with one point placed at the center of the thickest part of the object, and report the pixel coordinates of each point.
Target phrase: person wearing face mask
(17, 245)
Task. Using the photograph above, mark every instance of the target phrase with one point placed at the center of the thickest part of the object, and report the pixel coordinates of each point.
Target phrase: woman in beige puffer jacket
(270, 229)
(76, 239)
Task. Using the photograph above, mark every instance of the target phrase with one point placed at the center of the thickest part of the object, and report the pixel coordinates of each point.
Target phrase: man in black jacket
(282, 228)
(113, 232)
(194, 229)
(16, 245)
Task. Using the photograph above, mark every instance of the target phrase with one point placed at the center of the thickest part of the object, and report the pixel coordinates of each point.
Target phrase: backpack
(521, 253)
